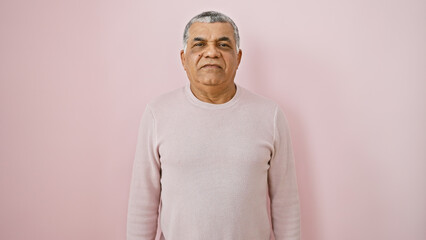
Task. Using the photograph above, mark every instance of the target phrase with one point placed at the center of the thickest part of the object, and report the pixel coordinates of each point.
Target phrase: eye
(199, 44)
(223, 45)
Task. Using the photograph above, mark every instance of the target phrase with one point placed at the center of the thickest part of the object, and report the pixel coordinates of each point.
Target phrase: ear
(182, 58)
(240, 54)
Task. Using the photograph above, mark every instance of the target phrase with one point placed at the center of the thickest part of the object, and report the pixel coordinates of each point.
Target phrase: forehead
(211, 31)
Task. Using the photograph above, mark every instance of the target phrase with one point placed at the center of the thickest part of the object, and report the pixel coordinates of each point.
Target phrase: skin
(211, 61)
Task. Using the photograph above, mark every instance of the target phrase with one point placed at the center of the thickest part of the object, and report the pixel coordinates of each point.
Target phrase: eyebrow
(220, 39)
(224, 39)
(199, 39)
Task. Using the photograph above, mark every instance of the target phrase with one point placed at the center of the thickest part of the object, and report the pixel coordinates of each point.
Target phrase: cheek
(194, 61)
(231, 63)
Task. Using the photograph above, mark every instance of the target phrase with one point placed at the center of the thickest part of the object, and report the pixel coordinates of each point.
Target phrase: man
(211, 151)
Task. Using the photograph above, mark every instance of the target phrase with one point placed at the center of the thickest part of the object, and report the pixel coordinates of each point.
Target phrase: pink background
(76, 75)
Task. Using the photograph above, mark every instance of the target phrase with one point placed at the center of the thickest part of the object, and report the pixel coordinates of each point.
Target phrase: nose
(212, 51)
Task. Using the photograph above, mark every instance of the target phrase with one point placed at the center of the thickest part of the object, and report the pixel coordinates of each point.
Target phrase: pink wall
(75, 77)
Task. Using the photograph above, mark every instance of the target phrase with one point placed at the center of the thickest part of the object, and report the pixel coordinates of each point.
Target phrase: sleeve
(145, 186)
(282, 183)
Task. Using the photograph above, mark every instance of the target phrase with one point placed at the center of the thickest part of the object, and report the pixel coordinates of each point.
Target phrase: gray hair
(211, 17)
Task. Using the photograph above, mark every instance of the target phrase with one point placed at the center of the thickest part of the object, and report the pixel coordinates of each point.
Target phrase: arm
(145, 187)
(283, 188)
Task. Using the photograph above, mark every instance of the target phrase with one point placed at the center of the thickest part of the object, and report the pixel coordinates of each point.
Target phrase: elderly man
(210, 152)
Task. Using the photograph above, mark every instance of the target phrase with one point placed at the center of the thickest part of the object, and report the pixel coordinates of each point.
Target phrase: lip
(211, 66)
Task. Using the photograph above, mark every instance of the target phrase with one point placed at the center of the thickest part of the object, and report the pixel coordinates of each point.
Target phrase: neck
(216, 94)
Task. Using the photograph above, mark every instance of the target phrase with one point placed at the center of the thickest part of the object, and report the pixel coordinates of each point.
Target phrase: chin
(211, 82)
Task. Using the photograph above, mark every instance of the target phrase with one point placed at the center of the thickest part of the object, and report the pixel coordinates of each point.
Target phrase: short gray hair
(211, 17)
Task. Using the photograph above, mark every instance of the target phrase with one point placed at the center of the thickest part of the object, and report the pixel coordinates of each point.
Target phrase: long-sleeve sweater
(205, 170)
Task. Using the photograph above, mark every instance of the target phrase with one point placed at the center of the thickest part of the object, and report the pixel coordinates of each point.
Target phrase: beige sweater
(211, 167)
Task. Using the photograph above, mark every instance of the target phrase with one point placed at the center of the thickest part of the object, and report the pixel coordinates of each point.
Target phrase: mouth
(212, 66)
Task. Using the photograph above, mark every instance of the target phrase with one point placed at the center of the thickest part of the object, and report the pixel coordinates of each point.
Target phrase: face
(211, 57)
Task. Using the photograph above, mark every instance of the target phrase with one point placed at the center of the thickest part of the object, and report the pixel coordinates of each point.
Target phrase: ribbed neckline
(193, 99)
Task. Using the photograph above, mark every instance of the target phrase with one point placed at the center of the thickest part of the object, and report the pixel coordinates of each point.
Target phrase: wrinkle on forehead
(211, 31)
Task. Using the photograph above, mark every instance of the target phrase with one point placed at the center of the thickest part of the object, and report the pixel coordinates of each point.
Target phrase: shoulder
(258, 102)
(168, 100)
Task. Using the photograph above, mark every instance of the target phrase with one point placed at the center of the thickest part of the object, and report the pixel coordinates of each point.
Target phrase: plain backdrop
(75, 77)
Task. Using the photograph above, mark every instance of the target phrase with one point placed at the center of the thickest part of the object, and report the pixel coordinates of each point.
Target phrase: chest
(206, 139)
